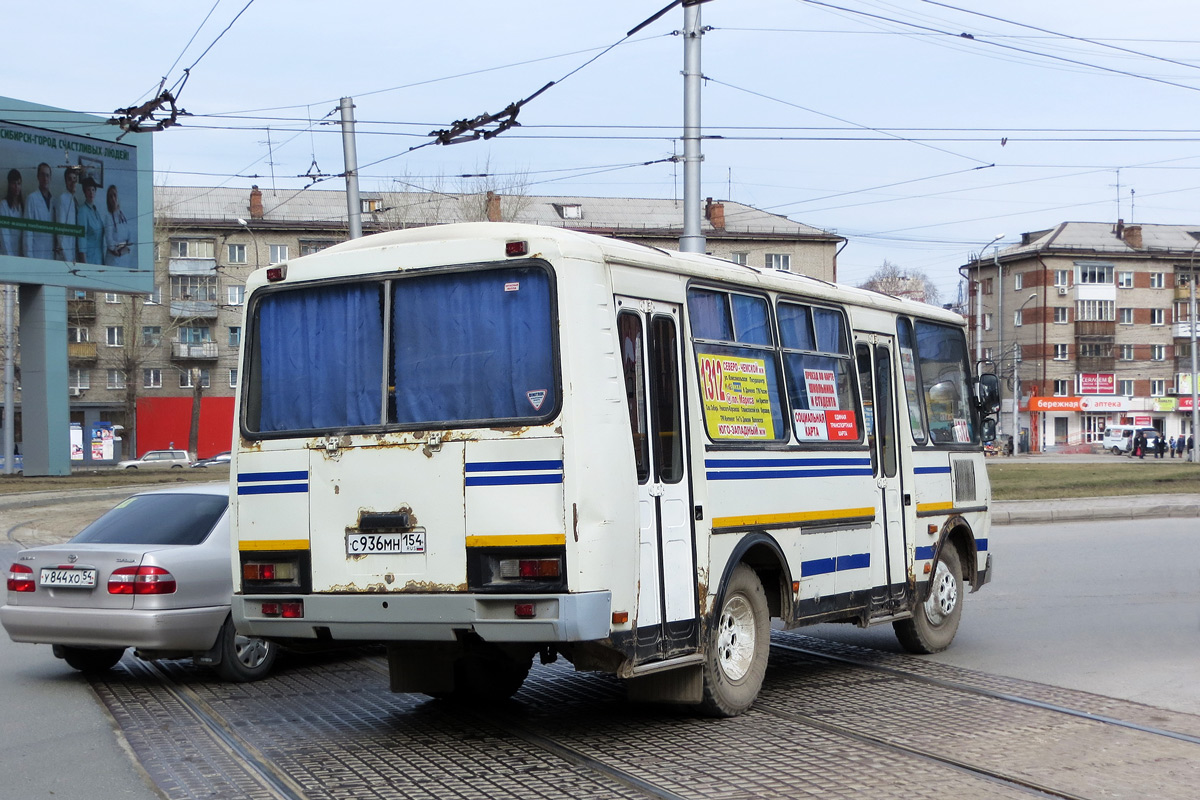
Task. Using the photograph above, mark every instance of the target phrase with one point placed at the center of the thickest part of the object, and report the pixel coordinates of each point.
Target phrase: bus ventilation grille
(964, 481)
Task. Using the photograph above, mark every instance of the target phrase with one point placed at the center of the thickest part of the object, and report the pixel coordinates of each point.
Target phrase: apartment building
(159, 366)
(1090, 324)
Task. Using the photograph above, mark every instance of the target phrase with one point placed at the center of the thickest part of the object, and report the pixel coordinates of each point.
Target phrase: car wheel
(739, 643)
(177, 466)
(244, 658)
(1116, 451)
(131, 466)
(90, 660)
(934, 622)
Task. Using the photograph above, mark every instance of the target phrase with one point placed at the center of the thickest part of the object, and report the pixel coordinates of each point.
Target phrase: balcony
(1096, 363)
(1183, 330)
(78, 352)
(192, 266)
(194, 351)
(194, 309)
(81, 309)
(1092, 328)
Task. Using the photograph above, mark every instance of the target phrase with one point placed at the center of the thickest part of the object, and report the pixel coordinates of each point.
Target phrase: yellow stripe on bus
(925, 507)
(830, 514)
(273, 544)
(518, 540)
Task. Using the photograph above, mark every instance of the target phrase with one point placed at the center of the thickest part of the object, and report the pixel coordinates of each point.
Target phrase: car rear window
(157, 519)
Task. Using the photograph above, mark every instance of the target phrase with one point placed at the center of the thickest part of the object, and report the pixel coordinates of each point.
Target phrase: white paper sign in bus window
(736, 397)
(824, 420)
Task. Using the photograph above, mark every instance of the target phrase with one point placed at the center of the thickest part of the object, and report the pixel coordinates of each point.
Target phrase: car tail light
(141, 580)
(530, 568)
(20, 579)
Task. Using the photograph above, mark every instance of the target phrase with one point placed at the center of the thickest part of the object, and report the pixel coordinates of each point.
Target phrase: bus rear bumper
(430, 617)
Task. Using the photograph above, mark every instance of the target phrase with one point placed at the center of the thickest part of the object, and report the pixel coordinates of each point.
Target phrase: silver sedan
(153, 574)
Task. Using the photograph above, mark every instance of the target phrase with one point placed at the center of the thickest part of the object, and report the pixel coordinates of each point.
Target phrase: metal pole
(692, 240)
(9, 376)
(353, 205)
(1192, 320)
(1016, 398)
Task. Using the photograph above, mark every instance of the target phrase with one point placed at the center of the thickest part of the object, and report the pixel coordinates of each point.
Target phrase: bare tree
(911, 284)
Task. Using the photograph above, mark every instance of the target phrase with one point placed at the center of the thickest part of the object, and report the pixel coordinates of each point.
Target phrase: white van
(1118, 439)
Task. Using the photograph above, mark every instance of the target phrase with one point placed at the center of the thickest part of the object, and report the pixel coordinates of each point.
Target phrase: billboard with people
(76, 200)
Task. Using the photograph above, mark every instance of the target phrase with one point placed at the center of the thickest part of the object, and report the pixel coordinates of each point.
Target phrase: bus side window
(865, 373)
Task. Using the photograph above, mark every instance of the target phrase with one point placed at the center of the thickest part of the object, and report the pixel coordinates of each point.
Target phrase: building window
(370, 206)
(1183, 350)
(191, 248)
(1183, 312)
(1095, 310)
(1062, 277)
(194, 334)
(1062, 315)
(986, 286)
(1157, 280)
(987, 322)
(278, 253)
(1126, 388)
(1126, 315)
(237, 254)
(1158, 352)
(1127, 352)
(1018, 281)
(194, 287)
(185, 378)
(116, 379)
(779, 261)
(1060, 352)
(233, 376)
(152, 378)
(987, 354)
(77, 335)
(112, 297)
(1094, 350)
(310, 246)
(79, 379)
(151, 335)
(1157, 315)
(1062, 388)
(1096, 274)
(740, 258)
(1124, 280)
(1019, 318)
(116, 335)
(235, 336)
(1158, 388)
(154, 298)
(236, 295)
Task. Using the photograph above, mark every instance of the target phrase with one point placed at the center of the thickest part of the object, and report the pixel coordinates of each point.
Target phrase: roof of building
(1106, 239)
(327, 208)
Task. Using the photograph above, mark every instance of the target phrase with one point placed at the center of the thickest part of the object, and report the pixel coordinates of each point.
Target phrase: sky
(919, 130)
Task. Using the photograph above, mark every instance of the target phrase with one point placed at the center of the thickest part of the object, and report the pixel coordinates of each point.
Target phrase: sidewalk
(1077, 509)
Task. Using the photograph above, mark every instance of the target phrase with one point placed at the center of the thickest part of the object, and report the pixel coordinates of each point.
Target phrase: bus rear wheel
(739, 642)
(488, 674)
(934, 622)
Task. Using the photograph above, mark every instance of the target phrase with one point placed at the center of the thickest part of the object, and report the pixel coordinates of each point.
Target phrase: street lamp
(1016, 398)
(979, 300)
(253, 238)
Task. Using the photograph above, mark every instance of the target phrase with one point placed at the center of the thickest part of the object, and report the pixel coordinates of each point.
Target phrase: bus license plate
(83, 578)
(366, 544)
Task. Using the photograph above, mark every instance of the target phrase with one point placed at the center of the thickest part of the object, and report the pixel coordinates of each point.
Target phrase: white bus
(485, 442)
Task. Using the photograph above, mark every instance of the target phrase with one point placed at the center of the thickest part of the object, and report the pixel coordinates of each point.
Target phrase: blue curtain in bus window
(709, 315)
(795, 327)
(830, 335)
(750, 320)
(474, 346)
(321, 358)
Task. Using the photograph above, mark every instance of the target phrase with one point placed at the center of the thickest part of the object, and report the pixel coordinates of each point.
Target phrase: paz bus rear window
(459, 348)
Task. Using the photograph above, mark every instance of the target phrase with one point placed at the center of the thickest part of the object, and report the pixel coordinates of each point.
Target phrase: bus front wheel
(739, 642)
(935, 621)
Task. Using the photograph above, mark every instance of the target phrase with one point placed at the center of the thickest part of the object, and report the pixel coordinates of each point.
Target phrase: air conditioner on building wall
(1062, 291)
(74, 391)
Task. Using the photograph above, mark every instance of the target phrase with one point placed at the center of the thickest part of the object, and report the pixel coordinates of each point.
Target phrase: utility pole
(353, 206)
(692, 240)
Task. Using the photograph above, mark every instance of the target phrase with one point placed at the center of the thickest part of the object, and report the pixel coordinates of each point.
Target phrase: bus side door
(667, 622)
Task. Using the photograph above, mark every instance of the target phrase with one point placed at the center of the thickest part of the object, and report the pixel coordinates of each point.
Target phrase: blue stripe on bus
(257, 477)
(717, 463)
(787, 473)
(981, 545)
(278, 488)
(514, 480)
(825, 566)
(931, 470)
(511, 466)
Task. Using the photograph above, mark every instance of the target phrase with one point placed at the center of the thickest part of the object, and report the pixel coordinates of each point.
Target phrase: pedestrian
(1171, 446)
(1190, 447)
(1160, 446)
(1139, 445)
(1180, 444)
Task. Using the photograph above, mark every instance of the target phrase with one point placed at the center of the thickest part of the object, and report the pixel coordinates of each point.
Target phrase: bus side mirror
(987, 393)
(987, 430)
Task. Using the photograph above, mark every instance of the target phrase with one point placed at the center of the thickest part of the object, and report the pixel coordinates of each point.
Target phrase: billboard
(76, 201)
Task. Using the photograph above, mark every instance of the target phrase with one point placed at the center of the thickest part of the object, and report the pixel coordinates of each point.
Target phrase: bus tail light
(274, 573)
(524, 610)
(20, 579)
(530, 568)
(141, 580)
(269, 571)
(288, 609)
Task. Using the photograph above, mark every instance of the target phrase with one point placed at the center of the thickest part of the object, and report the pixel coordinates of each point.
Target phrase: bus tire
(935, 621)
(488, 675)
(739, 642)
